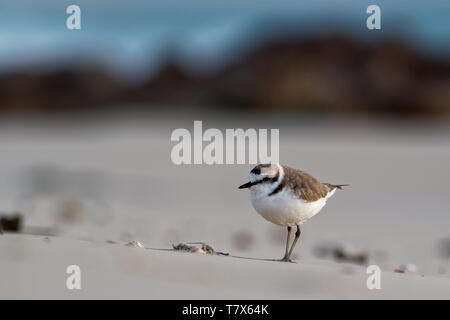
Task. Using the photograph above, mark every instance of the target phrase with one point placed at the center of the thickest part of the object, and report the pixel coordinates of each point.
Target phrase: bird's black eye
(256, 171)
(265, 179)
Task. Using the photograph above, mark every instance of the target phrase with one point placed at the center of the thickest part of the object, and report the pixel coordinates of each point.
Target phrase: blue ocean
(131, 36)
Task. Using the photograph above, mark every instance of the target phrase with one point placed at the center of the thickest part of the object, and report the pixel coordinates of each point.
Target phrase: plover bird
(287, 197)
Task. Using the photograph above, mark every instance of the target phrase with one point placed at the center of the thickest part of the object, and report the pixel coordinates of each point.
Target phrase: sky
(131, 36)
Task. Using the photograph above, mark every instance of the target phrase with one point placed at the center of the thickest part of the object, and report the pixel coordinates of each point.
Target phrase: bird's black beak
(246, 185)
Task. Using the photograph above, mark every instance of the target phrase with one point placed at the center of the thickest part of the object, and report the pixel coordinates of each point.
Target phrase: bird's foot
(286, 259)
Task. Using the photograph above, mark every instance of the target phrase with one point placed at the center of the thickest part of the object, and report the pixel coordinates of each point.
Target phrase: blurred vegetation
(331, 74)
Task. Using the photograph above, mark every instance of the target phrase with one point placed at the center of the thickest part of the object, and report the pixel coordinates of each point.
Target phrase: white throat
(281, 175)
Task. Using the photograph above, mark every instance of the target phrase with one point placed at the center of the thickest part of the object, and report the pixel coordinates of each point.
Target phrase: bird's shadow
(261, 259)
(227, 255)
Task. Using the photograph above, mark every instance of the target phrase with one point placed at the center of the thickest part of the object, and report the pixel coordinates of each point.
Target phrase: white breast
(284, 208)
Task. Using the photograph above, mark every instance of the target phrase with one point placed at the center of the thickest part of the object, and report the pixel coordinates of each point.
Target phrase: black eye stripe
(264, 180)
(256, 171)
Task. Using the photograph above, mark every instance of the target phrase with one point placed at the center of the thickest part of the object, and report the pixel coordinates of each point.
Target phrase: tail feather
(335, 186)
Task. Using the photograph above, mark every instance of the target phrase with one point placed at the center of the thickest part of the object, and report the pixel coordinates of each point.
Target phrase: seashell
(198, 247)
(199, 251)
(135, 244)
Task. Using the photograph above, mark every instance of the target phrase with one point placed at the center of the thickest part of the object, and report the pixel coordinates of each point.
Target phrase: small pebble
(11, 223)
(347, 253)
(343, 253)
(406, 268)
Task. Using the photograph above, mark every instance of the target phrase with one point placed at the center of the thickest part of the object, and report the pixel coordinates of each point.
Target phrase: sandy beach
(34, 268)
(85, 192)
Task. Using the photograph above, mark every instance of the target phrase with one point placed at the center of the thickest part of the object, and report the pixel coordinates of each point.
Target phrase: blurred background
(86, 117)
(226, 55)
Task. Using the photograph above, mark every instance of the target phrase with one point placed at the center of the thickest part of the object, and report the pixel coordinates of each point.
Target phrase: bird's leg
(286, 258)
(297, 236)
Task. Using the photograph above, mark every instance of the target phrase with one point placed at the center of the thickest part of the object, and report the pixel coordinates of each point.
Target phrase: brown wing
(305, 186)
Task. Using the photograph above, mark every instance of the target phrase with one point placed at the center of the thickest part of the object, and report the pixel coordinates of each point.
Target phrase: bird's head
(264, 174)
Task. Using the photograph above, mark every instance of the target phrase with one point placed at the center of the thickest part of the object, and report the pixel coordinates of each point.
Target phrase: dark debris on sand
(197, 247)
(11, 223)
